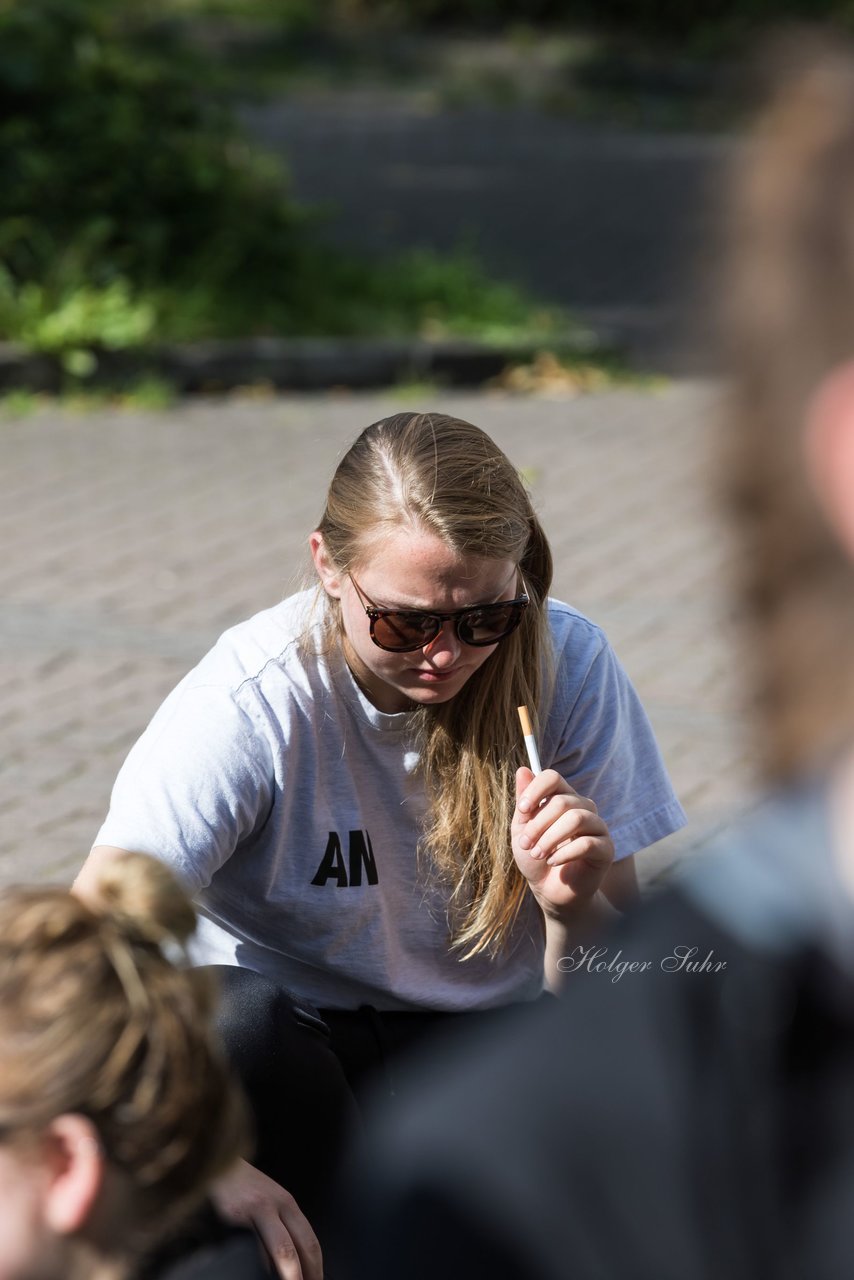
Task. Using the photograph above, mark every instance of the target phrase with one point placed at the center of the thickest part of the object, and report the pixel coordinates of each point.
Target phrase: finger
(291, 1246)
(564, 810)
(532, 789)
(307, 1243)
(554, 823)
(563, 837)
(595, 851)
(278, 1246)
(524, 777)
(543, 787)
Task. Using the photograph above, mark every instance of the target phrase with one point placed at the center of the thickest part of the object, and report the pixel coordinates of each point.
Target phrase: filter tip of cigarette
(530, 741)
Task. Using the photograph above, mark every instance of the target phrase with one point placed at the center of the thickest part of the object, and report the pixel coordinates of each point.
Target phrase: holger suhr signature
(680, 960)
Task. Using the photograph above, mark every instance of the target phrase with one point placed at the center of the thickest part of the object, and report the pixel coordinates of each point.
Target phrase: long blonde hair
(450, 479)
(789, 319)
(95, 1019)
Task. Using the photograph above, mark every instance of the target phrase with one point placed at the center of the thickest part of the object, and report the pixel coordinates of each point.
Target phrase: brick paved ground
(131, 540)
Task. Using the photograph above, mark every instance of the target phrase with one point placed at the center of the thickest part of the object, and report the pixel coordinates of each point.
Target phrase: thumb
(524, 778)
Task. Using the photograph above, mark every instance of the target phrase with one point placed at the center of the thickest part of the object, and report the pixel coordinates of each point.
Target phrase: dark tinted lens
(405, 630)
(492, 622)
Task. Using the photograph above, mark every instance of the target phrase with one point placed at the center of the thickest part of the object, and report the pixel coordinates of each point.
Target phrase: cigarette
(530, 741)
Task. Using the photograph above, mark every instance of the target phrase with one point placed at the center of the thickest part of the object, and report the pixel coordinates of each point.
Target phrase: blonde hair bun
(97, 1018)
(144, 899)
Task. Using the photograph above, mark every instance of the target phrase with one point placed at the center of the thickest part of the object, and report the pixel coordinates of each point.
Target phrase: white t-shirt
(291, 808)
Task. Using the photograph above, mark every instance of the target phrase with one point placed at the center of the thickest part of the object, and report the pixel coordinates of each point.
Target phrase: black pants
(304, 1071)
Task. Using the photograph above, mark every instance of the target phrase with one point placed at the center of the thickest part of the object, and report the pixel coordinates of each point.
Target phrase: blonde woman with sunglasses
(342, 782)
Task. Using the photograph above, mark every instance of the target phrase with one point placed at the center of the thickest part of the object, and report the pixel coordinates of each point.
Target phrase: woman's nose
(444, 649)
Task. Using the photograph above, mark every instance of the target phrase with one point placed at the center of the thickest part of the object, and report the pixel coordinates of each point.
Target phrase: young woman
(109, 1078)
(342, 782)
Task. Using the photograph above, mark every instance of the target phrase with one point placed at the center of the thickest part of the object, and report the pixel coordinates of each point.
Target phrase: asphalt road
(620, 226)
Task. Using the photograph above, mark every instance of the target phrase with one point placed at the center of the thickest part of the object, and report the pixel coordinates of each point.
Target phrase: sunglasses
(404, 630)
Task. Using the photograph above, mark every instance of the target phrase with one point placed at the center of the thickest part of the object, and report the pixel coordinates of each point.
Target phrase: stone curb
(296, 364)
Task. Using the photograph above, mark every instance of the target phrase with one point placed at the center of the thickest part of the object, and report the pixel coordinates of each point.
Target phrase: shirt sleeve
(198, 782)
(599, 739)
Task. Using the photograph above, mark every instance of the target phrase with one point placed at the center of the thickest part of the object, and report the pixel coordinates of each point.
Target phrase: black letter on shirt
(332, 865)
(362, 854)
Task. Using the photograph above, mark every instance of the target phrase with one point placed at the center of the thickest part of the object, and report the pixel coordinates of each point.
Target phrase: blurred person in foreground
(686, 1109)
(116, 1107)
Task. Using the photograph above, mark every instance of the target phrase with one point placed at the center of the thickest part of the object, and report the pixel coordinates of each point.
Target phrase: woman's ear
(829, 450)
(326, 570)
(76, 1167)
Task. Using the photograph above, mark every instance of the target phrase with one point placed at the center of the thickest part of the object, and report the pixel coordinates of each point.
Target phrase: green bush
(132, 209)
(121, 182)
(418, 292)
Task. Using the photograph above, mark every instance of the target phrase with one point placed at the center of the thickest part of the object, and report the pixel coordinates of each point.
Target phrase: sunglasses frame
(457, 616)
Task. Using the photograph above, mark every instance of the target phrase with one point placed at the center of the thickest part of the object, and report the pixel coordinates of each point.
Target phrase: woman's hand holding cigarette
(561, 845)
